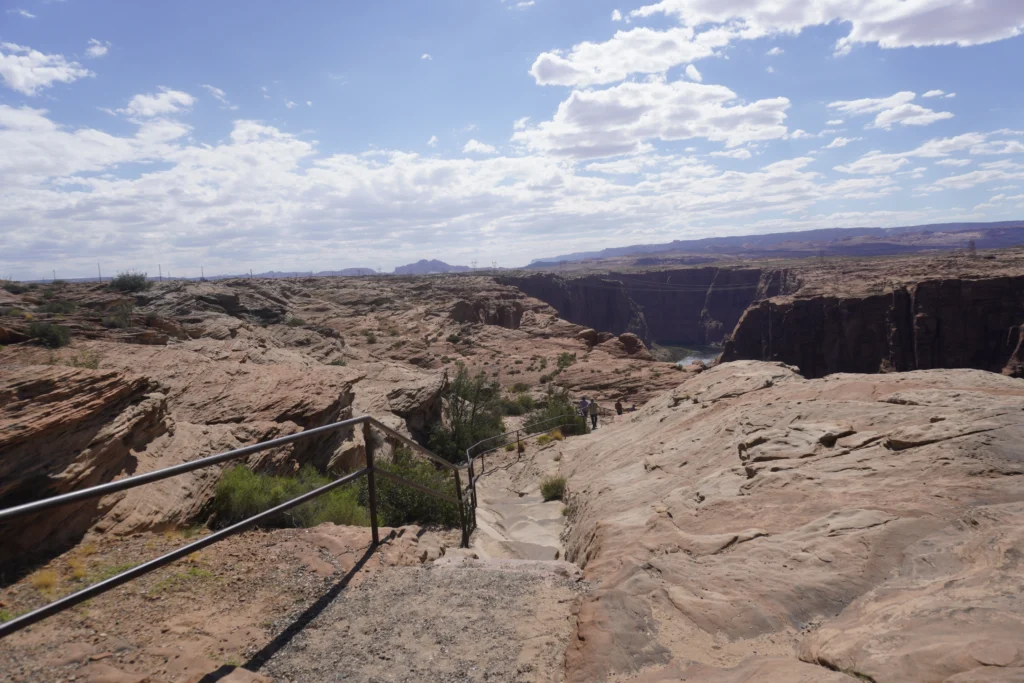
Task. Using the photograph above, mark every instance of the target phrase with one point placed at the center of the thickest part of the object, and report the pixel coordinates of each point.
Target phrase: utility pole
(55, 276)
(160, 270)
(99, 273)
(250, 273)
(202, 274)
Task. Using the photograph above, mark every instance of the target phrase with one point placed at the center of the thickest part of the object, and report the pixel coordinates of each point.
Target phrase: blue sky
(316, 136)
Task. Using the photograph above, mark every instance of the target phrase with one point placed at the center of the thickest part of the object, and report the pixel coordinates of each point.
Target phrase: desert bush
(544, 379)
(295, 322)
(398, 504)
(53, 336)
(544, 439)
(242, 493)
(453, 339)
(130, 281)
(120, 316)
(58, 307)
(556, 435)
(552, 488)
(566, 359)
(509, 447)
(472, 412)
(44, 580)
(520, 387)
(85, 359)
(371, 338)
(12, 311)
(340, 362)
(15, 287)
(557, 407)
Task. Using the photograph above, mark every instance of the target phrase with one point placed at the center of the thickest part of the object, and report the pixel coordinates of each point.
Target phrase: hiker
(618, 406)
(583, 407)
(633, 409)
(593, 413)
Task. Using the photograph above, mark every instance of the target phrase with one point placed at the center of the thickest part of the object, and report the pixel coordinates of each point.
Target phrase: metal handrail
(369, 471)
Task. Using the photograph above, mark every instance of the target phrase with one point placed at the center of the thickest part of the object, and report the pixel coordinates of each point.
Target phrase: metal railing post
(462, 509)
(371, 483)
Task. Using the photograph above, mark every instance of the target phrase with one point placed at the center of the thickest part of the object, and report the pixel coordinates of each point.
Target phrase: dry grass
(556, 435)
(78, 568)
(44, 580)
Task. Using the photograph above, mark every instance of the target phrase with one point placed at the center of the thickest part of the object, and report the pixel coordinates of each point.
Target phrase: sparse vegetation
(371, 338)
(453, 339)
(552, 488)
(130, 281)
(295, 322)
(565, 359)
(181, 580)
(50, 335)
(86, 359)
(57, 307)
(15, 287)
(517, 405)
(44, 580)
(242, 493)
(120, 316)
(557, 406)
(543, 364)
(509, 447)
(520, 387)
(340, 362)
(544, 379)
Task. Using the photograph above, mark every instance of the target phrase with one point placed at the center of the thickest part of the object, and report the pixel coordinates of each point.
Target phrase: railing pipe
(64, 603)
(371, 483)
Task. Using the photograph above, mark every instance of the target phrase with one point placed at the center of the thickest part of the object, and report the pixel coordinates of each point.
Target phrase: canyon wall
(680, 306)
(941, 323)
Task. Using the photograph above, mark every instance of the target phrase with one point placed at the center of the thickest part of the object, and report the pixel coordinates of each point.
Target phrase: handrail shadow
(260, 659)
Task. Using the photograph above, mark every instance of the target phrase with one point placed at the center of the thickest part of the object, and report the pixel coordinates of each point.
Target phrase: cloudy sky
(316, 136)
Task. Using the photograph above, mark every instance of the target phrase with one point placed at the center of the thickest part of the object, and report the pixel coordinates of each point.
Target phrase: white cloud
(999, 147)
(639, 50)
(891, 110)
(616, 15)
(775, 51)
(953, 162)
(520, 124)
(693, 74)
(621, 119)
(432, 142)
(29, 71)
(477, 147)
(289, 104)
(165, 102)
(97, 48)
(25, 14)
(309, 103)
(733, 154)
(877, 162)
(523, 4)
(834, 122)
(708, 25)
(220, 96)
(934, 93)
(265, 91)
(426, 57)
(949, 95)
(770, 69)
(840, 142)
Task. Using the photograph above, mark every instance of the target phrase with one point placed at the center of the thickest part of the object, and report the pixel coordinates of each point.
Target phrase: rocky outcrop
(508, 314)
(755, 525)
(62, 429)
(943, 323)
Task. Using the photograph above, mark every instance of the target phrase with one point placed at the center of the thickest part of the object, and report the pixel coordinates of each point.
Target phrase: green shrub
(544, 439)
(543, 364)
(510, 447)
(453, 339)
(130, 281)
(58, 307)
(15, 287)
(526, 401)
(398, 504)
(121, 316)
(512, 406)
(520, 387)
(566, 359)
(371, 338)
(544, 379)
(53, 336)
(242, 493)
(295, 322)
(552, 488)
(10, 311)
(472, 412)
(557, 409)
(340, 362)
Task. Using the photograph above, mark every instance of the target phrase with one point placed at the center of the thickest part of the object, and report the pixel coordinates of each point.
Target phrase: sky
(319, 136)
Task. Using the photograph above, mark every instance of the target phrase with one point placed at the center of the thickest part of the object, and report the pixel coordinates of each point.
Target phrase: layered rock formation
(754, 525)
(941, 323)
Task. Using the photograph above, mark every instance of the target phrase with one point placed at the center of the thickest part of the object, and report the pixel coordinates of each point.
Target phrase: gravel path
(474, 621)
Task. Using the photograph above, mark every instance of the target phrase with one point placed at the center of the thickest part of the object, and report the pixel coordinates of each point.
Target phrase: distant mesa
(425, 267)
(824, 242)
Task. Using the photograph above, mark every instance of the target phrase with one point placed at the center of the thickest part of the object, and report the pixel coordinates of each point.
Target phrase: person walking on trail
(618, 406)
(593, 413)
(583, 407)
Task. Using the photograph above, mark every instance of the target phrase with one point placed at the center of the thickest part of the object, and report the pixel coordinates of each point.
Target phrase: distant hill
(833, 241)
(425, 267)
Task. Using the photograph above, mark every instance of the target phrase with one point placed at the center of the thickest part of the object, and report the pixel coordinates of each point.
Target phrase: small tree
(472, 412)
(556, 410)
(130, 281)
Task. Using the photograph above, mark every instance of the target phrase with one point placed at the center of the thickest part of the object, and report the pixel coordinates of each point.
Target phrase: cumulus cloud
(520, 124)
(163, 103)
(426, 57)
(934, 93)
(693, 74)
(733, 154)
(834, 122)
(953, 162)
(220, 96)
(432, 142)
(477, 147)
(29, 71)
(705, 26)
(775, 51)
(289, 104)
(622, 119)
(25, 14)
(875, 162)
(891, 110)
(97, 48)
(616, 15)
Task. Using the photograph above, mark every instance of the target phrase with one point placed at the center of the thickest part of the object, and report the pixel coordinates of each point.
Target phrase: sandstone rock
(419, 404)
(751, 509)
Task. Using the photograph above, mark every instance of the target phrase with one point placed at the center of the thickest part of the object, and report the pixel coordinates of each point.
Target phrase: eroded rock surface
(754, 525)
